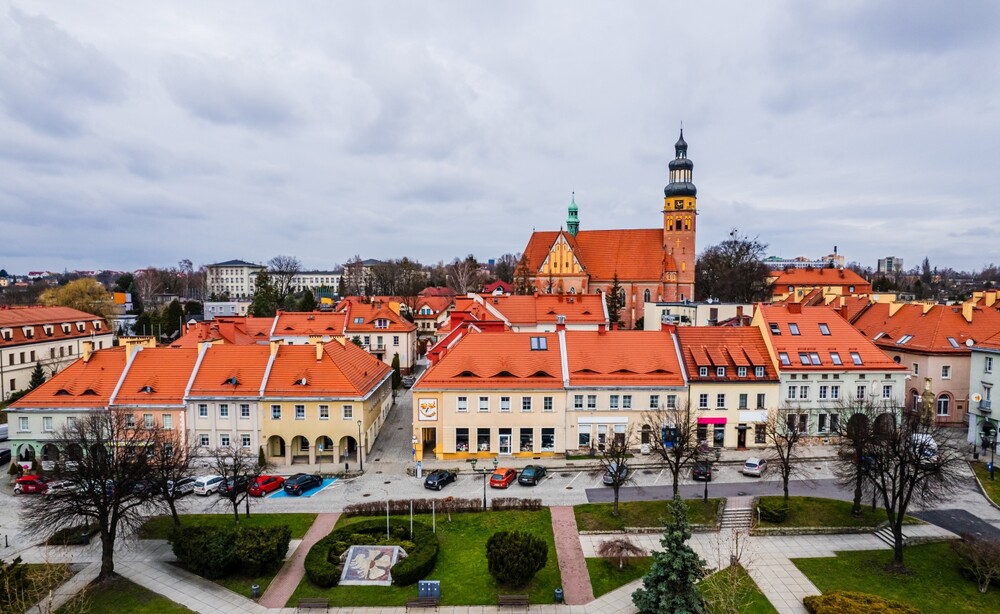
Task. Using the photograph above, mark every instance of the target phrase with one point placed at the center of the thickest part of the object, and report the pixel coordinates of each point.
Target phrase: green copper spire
(572, 220)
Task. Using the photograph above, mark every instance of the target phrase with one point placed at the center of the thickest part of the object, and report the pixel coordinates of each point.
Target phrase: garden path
(572, 564)
(291, 574)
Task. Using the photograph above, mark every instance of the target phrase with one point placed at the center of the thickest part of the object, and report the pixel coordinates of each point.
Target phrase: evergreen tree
(37, 377)
(308, 301)
(265, 297)
(522, 279)
(671, 585)
(397, 377)
(172, 318)
(614, 301)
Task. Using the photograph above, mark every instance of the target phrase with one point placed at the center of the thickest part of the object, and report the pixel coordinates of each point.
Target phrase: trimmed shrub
(514, 557)
(773, 511)
(73, 536)
(208, 552)
(399, 507)
(516, 503)
(260, 549)
(842, 602)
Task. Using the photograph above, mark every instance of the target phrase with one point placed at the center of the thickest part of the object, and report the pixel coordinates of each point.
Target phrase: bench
(517, 601)
(422, 602)
(314, 602)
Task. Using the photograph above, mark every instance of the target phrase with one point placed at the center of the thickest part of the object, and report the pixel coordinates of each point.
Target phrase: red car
(502, 478)
(30, 484)
(265, 484)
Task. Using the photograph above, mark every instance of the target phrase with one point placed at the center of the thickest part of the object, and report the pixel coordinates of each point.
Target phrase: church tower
(680, 211)
(572, 218)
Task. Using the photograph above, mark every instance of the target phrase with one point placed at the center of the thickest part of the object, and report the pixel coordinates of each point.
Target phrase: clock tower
(680, 211)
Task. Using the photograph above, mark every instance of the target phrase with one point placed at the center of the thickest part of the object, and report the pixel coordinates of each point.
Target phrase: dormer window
(381, 323)
(774, 329)
(741, 371)
(147, 389)
(65, 328)
(702, 371)
(720, 372)
(48, 330)
(231, 381)
(29, 331)
(783, 357)
(80, 326)
(758, 371)
(793, 328)
(97, 324)
(8, 334)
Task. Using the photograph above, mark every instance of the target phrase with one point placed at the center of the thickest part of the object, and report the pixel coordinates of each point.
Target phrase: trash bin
(559, 595)
(255, 591)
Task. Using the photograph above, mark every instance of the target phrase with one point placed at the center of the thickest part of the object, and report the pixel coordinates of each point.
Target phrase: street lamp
(361, 459)
(484, 473)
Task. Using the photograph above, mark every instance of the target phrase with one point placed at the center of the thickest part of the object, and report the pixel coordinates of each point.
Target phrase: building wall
(752, 416)
(18, 361)
(813, 406)
(985, 381)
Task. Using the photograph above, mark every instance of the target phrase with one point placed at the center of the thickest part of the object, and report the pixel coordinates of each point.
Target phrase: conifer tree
(671, 585)
(37, 377)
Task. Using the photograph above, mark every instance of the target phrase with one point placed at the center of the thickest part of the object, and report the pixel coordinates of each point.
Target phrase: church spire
(572, 219)
(681, 169)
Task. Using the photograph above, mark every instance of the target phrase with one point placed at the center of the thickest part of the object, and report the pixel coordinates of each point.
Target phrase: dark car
(301, 482)
(146, 486)
(408, 381)
(436, 480)
(702, 471)
(4, 457)
(183, 486)
(531, 475)
(234, 487)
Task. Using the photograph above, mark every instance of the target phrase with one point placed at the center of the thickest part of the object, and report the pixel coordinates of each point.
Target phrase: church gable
(562, 259)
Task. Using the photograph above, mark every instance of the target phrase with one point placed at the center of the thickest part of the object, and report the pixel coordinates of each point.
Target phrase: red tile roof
(362, 316)
(157, 376)
(729, 347)
(821, 277)
(603, 253)
(497, 361)
(537, 309)
(342, 370)
(83, 384)
(17, 318)
(927, 328)
(231, 370)
(622, 358)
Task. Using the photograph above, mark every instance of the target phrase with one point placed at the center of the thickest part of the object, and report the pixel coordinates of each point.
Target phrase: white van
(207, 484)
(926, 448)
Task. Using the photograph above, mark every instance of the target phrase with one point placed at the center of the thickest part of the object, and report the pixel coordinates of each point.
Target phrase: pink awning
(711, 420)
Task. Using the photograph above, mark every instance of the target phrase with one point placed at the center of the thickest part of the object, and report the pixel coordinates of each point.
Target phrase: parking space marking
(658, 476)
(574, 479)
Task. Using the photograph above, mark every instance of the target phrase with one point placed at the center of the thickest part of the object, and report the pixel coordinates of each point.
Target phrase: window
(578, 401)
(395, 339)
(943, 405)
(824, 392)
(462, 440)
(203, 441)
(583, 435)
(804, 358)
(591, 401)
(821, 423)
(244, 411)
(761, 398)
(758, 371)
(347, 412)
(381, 323)
(22, 424)
(324, 412)
(613, 404)
(548, 439)
(645, 295)
(367, 340)
(916, 369)
(904, 339)
(130, 421)
(887, 391)
(720, 401)
(987, 365)
(783, 357)
(300, 412)
(484, 404)
(245, 440)
(483, 439)
(793, 391)
(720, 372)
(856, 358)
(814, 358)
(824, 329)
(793, 328)
(47, 424)
(626, 401)
(953, 343)
(202, 410)
(303, 444)
(504, 404)
(224, 410)
(539, 344)
(224, 440)
(462, 404)
(835, 358)
(702, 371)
(276, 412)
(803, 392)
(654, 401)
(525, 403)
(147, 421)
(741, 371)
(703, 401)
(946, 372)
(861, 392)
(671, 401)
(168, 422)
(834, 392)
(546, 403)
(744, 400)
(759, 434)
(774, 328)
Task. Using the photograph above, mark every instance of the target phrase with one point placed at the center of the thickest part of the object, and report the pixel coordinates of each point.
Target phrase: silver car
(755, 467)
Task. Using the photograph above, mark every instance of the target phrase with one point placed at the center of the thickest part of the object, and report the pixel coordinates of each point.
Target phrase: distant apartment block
(889, 265)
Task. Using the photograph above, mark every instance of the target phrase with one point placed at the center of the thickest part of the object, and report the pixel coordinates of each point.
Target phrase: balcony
(984, 406)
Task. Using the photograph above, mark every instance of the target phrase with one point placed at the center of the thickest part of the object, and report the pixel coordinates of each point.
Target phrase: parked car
(30, 484)
(183, 486)
(301, 482)
(702, 470)
(265, 484)
(409, 380)
(4, 457)
(234, 486)
(59, 487)
(502, 477)
(436, 480)
(532, 474)
(615, 469)
(207, 484)
(146, 486)
(754, 466)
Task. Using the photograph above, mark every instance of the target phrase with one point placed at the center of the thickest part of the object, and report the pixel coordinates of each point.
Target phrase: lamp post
(361, 460)
(992, 438)
(484, 473)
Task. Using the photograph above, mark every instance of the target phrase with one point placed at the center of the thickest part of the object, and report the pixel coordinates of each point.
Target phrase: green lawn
(816, 512)
(41, 578)
(933, 584)
(461, 564)
(121, 595)
(736, 587)
(160, 527)
(606, 577)
(597, 516)
(992, 487)
(241, 584)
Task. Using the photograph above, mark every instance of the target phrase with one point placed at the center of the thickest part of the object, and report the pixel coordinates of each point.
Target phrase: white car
(207, 484)
(61, 487)
(755, 467)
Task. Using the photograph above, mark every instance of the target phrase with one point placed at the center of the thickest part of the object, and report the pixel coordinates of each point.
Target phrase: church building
(651, 264)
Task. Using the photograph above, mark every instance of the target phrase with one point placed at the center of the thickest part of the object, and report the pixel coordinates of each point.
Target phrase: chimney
(88, 350)
(274, 347)
(560, 323)
(794, 307)
(739, 313)
(842, 310)
(601, 328)
(319, 352)
(967, 309)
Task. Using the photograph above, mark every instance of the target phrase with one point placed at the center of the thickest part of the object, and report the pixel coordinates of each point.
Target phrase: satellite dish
(977, 398)
(969, 343)
(875, 297)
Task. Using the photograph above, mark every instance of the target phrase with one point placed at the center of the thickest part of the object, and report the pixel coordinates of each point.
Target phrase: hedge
(323, 565)
(516, 503)
(261, 549)
(398, 507)
(73, 536)
(773, 511)
(214, 552)
(843, 602)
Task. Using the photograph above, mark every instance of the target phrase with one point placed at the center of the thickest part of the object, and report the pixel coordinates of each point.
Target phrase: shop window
(526, 440)
(549, 439)
(483, 439)
(462, 440)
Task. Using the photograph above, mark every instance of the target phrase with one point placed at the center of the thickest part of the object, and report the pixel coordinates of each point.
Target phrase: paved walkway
(291, 574)
(572, 565)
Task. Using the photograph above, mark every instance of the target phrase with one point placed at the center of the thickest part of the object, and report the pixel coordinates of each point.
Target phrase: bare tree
(238, 466)
(522, 278)
(354, 277)
(675, 437)
(506, 266)
(980, 558)
(620, 548)
(612, 462)
(783, 432)
(114, 456)
(464, 276)
(854, 430)
(730, 590)
(283, 269)
(171, 462)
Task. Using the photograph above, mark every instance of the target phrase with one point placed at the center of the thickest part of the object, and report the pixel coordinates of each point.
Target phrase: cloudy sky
(139, 133)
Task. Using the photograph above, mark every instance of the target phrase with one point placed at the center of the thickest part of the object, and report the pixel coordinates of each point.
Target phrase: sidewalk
(292, 572)
(572, 564)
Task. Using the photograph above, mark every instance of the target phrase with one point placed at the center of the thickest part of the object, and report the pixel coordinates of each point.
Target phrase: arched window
(621, 296)
(915, 400)
(645, 295)
(944, 405)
